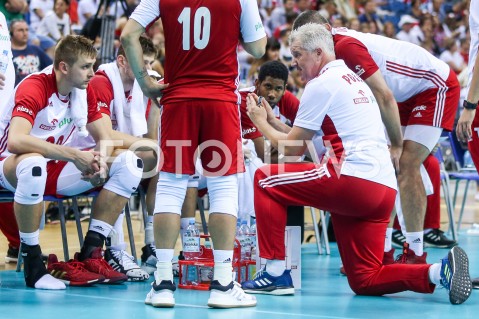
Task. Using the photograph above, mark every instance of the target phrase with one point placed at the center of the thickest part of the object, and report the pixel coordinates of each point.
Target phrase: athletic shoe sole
(461, 285)
(271, 291)
(161, 303)
(222, 305)
(11, 260)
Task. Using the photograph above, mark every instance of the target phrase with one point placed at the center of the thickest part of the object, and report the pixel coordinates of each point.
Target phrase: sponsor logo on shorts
(249, 131)
(419, 108)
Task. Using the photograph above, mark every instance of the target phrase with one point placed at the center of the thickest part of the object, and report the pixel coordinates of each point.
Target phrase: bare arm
(294, 141)
(21, 142)
(256, 48)
(16, 6)
(389, 114)
(153, 121)
(130, 41)
(463, 128)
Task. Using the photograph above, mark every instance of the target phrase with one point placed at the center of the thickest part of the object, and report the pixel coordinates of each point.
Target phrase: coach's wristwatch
(468, 105)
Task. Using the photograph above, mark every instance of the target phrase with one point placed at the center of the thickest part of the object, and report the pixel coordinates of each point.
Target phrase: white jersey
(37, 100)
(340, 107)
(407, 68)
(474, 31)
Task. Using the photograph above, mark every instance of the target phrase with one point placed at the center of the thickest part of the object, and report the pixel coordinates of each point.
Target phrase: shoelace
(259, 273)
(126, 260)
(238, 292)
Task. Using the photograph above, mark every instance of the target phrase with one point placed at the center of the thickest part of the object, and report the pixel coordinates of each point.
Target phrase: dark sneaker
(388, 257)
(342, 271)
(96, 264)
(264, 283)
(409, 257)
(12, 255)
(72, 273)
(230, 296)
(161, 295)
(436, 238)
(148, 259)
(398, 239)
(455, 275)
(123, 262)
(475, 283)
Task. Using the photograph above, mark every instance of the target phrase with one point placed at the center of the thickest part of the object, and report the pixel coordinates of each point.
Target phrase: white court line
(180, 305)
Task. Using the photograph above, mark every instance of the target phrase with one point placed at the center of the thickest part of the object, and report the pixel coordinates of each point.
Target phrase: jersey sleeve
(356, 56)
(248, 129)
(250, 22)
(30, 97)
(147, 12)
(103, 92)
(289, 106)
(93, 109)
(315, 103)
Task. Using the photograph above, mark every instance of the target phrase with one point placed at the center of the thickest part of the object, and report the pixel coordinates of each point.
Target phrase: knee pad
(32, 178)
(223, 194)
(125, 174)
(170, 193)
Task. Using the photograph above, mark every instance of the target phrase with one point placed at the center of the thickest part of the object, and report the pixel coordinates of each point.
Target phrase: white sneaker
(231, 296)
(123, 262)
(161, 295)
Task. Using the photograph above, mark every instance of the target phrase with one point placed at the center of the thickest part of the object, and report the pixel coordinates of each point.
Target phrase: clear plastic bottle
(244, 240)
(252, 236)
(4, 60)
(191, 241)
(468, 163)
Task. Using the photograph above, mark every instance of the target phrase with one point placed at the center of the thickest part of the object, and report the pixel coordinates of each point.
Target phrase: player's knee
(32, 178)
(170, 193)
(223, 194)
(125, 174)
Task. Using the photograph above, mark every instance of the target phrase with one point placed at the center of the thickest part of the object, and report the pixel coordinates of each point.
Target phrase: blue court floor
(325, 294)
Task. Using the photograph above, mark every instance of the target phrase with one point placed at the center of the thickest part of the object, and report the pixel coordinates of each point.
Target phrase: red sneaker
(71, 273)
(96, 264)
(409, 257)
(388, 257)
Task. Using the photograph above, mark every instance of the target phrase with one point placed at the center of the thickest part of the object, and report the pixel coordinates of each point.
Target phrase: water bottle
(4, 60)
(252, 234)
(245, 241)
(191, 241)
(468, 163)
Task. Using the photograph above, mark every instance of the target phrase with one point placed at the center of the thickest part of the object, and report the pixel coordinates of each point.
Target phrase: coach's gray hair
(312, 37)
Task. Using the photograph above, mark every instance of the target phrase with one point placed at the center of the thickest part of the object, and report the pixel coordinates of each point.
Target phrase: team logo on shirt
(359, 70)
(23, 109)
(249, 131)
(99, 105)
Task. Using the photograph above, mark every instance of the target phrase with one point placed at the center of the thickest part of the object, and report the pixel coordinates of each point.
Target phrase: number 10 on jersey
(201, 27)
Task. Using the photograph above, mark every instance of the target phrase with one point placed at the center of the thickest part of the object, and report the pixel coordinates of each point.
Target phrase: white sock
(49, 282)
(118, 227)
(165, 255)
(223, 272)
(416, 242)
(387, 240)
(275, 267)
(149, 236)
(435, 273)
(184, 223)
(100, 227)
(427, 231)
(150, 219)
(30, 239)
(221, 256)
(164, 271)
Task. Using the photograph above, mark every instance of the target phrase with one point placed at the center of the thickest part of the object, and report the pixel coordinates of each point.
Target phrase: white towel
(131, 121)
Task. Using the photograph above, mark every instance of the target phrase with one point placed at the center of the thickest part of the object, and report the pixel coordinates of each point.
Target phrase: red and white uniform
(340, 107)
(201, 68)
(285, 111)
(473, 52)
(37, 99)
(426, 89)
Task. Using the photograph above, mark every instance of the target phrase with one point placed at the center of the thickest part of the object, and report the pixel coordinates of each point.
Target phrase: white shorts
(422, 134)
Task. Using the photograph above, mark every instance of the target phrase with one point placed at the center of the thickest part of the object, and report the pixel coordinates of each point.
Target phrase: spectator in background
(329, 9)
(13, 9)
(370, 15)
(87, 9)
(452, 56)
(278, 15)
(354, 24)
(272, 54)
(406, 23)
(303, 5)
(389, 30)
(56, 24)
(38, 10)
(27, 58)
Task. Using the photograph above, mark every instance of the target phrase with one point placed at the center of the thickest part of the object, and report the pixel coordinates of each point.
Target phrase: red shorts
(209, 126)
(54, 168)
(433, 107)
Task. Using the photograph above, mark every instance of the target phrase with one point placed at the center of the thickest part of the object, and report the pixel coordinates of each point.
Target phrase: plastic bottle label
(191, 244)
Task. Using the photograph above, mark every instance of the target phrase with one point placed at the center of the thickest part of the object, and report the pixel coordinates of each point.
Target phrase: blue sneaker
(264, 283)
(455, 275)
